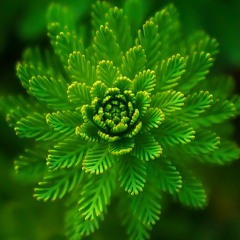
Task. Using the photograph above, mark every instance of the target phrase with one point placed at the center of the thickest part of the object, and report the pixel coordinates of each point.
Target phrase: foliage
(127, 112)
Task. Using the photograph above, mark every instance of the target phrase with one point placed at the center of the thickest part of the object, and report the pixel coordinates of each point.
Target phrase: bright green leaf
(172, 132)
(123, 83)
(118, 22)
(80, 68)
(134, 61)
(98, 13)
(144, 81)
(132, 174)
(30, 165)
(64, 122)
(226, 153)
(107, 73)
(121, 146)
(56, 184)
(197, 67)
(98, 159)
(142, 102)
(149, 39)
(79, 94)
(204, 142)
(96, 195)
(169, 72)
(219, 112)
(195, 105)
(152, 119)
(52, 92)
(35, 126)
(68, 153)
(168, 101)
(146, 147)
(106, 46)
(169, 178)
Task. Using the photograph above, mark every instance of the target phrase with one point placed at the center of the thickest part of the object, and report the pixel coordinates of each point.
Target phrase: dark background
(22, 24)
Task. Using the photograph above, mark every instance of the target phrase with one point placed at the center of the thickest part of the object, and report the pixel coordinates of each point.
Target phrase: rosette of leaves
(122, 116)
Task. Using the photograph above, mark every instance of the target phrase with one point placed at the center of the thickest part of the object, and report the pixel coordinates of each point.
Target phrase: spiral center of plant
(115, 114)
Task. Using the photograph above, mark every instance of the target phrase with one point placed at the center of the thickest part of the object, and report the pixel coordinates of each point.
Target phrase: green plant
(125, 115)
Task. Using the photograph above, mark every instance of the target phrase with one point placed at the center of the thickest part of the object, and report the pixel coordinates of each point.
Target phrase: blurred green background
(23, 24)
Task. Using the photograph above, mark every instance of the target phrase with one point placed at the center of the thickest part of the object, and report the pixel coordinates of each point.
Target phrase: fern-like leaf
(123, 83)
(68, 153)
(219, 112)
(195, 105)
(56, 184)
(168, 101)
(98, 159)
(35, 126)
(76, 226)
(25, 72)
(197, 67)
(64, 43)
(98, 13)
(80, 69)
(62, 15)
(98, 89)
(169, 72)
(9, 108)
(169, 178)
(96, 194)
(204, 142)
(79, 94)
(118, 22)
(149, 39)
(169, 36)
(136, 229)
(31, 164)
(201, 42)
(50, 91)
(192, 193)
(107, 73)
(146, 147)
(152, 119)
(147, 205)
(106, 46)
(64, 122)
(132, 174)
(172, 132)
(134, 61)
(144, 81)
(142, 102)
(226, 153)
(121, 146)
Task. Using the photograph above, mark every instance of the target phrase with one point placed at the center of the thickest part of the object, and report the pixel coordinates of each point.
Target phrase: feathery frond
(169, 72)
(132, 174)
(134, 61)
(50, 91)
(66, 154)
(146, 148)
(168, 101)
(80, 68)
(172, 132)
(147, 205)
(192, 193)
(169, 178)
(98, 159)
(96, 195)
(56, 184)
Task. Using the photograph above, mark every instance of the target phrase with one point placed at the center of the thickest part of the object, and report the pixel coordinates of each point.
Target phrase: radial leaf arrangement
(123, 115)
